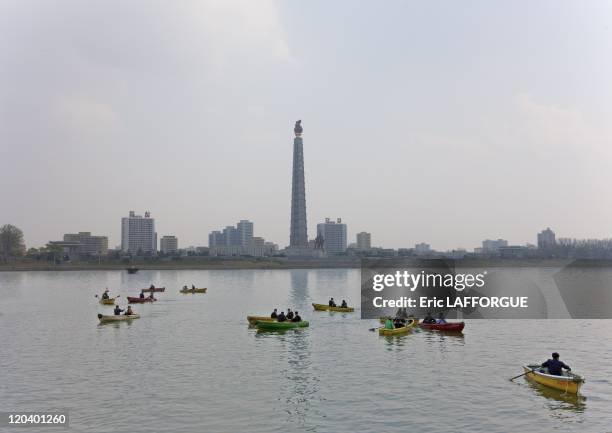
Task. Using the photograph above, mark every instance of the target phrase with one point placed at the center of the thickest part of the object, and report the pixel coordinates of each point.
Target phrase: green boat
(279, 326)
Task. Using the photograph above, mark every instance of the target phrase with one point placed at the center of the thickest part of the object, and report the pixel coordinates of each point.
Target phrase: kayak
(279, 326)
(109, 301)
(398, 331)
(569, 382)
(323, 307)
(202, 290)
(108, 319)
(135, 300)
(448, 327)
(156, 289)
(254, 319)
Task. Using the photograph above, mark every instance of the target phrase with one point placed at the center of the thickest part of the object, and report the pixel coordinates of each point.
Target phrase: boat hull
(280, 326)
(398, 331)
(157, 289)
(109, 301)
(323, 307)
(570, 384)
(202, 290)
(121, 318)
(254, 319)
(133, 300)
(446, 327)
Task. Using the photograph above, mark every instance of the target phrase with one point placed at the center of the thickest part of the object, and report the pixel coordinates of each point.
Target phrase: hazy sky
(438, 121)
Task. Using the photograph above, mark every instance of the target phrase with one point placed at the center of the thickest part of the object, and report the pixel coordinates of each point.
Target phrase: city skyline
(413, 135)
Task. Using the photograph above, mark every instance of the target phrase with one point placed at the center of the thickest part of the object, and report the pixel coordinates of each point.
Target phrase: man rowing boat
(555, 367)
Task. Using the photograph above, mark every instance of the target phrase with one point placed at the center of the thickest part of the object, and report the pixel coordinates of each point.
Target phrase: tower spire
(298, 236)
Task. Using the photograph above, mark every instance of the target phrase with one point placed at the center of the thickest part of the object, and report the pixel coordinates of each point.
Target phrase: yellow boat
(323, 307)
(410, 323)
(202, 290)
(569, 383)
(109, 301)
(120, 318)
(254, 319)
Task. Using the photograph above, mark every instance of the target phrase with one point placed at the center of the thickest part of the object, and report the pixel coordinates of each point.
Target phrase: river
(192, 364)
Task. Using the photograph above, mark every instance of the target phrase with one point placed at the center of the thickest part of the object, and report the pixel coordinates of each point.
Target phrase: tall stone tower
(298, 236)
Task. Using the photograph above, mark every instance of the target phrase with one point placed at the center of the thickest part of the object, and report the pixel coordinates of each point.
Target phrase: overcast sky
(435, 121)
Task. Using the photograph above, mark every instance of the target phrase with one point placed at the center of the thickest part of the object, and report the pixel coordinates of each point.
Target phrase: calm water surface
(191, 364)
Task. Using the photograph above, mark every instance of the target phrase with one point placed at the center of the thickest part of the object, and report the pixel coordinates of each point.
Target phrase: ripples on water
(191, 364)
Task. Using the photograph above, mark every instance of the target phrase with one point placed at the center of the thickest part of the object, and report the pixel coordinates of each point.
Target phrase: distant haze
(436, 121)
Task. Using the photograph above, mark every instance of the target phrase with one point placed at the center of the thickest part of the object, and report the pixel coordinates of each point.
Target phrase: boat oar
(527, 372)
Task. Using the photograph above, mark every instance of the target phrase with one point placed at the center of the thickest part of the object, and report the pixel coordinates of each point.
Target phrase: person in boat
(389, 323)
(281, 317)
(289, 314)
(105, 294)
(296, 317)
(142, 295)
(193, 287)
(399, 322)
(129, 311)
(429, 318)
(274, 314)
(344, 305)
(441, 320)
(332, 303)
(118, 310)
(185, 288)
(555, 367)
(151, 297)
(152, 287)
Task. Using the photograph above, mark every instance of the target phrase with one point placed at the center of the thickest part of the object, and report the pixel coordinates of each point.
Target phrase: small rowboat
(121, 318)
(279, 326)
(134, 300)
(446, 327)
(156, 289)
(323, 307)
(202, 290)
(569, 382)
(109, 301)
(254, 319)
(410, 323)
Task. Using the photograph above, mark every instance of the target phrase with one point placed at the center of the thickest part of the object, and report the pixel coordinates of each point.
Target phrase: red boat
(448, 327)
(156, 289)
(133, 300)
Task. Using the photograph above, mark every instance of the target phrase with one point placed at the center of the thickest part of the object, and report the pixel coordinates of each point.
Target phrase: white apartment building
(138, 234)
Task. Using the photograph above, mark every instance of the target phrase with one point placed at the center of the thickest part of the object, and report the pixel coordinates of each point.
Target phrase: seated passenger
(389, 324)
(274, 314)
(129, 311)
(343, 305)
(118, 310)
(398, 322)
(441, 319)
(332, 303)
(296, 317)
(142, 295)
(555, 366)
(429, 319)
(193, 287)
(289, 314)
(152, 286)
(281, 317)
(105, 294)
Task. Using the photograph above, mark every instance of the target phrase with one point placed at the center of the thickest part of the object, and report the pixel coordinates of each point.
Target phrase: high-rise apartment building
(333, 234)
(364, 241)
(138, 234)
(168, 244)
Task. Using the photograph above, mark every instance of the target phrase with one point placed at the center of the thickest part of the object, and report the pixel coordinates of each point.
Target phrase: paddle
(527, 372)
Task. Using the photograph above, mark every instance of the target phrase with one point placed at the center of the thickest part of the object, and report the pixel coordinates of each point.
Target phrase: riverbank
(183, 264)
(344, 262)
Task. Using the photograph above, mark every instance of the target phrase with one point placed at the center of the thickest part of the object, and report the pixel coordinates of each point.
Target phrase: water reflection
(559, 400)
(299, 286)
